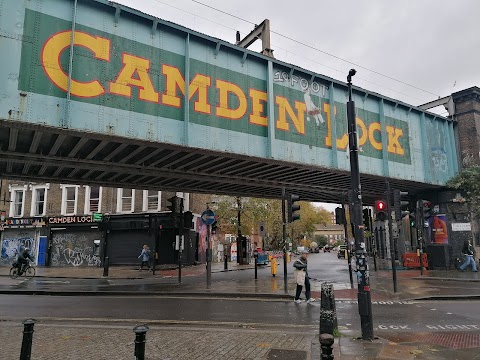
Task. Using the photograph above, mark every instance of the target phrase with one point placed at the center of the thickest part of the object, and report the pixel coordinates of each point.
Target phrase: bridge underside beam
(42, 153)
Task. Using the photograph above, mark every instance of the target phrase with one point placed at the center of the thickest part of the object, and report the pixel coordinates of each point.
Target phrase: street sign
(97, 216)
(208, 217)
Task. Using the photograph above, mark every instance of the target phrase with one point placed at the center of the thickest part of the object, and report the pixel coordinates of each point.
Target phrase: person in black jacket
(23, 260)
(469, 254)
(301, 278)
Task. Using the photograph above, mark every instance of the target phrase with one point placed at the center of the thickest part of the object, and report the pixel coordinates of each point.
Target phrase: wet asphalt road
(388, 316)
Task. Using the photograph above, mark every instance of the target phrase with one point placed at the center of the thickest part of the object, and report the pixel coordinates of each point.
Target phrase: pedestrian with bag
(469, 254)
(145, 256)
(301, 278)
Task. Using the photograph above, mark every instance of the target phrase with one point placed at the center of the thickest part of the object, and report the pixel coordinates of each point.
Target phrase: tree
(321, 240)
(253, 211)
(468, 182)
(310, 216)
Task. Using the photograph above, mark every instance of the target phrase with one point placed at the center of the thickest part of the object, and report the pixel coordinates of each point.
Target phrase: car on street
(326, 248)
(341, 251)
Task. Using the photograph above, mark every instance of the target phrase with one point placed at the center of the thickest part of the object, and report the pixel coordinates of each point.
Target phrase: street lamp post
(364, 297)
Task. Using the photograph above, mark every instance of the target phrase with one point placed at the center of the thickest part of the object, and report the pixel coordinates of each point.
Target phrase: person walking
(469, 254)
(145, 256)
(301, 278)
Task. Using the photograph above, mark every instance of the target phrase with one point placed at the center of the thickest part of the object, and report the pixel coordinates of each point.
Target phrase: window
(151, 200)
(93, 199)
(17, 200)
(39, 199)
(125, 200)
(69, 199)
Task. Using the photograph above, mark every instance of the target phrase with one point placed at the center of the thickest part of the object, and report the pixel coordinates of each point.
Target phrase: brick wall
(54, 199)
(467, 115)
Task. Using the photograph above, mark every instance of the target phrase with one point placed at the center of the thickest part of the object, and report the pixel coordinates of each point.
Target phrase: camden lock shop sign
(70, 219)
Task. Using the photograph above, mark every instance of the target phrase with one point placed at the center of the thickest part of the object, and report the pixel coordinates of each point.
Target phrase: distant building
(332, 232)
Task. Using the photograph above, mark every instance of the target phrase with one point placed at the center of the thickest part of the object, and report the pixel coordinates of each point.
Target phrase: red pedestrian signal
(381, 210)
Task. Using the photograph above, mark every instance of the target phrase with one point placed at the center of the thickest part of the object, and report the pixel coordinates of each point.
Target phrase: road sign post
(342, 214)
(208, 218)
(392, 238)
(284, 240)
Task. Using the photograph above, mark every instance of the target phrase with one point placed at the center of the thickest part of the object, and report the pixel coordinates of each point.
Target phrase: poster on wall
(202, 240)
(233, 252)
(438, 227)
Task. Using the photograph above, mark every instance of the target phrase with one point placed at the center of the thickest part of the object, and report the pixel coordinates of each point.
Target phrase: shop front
(75, 241)
(16, 234)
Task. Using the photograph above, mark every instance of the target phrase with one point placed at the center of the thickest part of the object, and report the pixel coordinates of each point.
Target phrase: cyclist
(23, 259)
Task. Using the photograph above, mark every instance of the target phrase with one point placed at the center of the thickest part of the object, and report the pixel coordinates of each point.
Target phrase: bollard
(273, 266)
(26, 350)
(140, 334)
(326, 344)
(328, 312)
(225, 264)
(106, 264)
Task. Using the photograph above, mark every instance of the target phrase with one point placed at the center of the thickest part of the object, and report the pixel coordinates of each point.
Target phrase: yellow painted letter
(224, 88)
(363, 139)
(134, 73)
(394, 146)
(52, 50)
(298, 119)
(342, 142)
(371, 135)
(259, 98)
(174, 80)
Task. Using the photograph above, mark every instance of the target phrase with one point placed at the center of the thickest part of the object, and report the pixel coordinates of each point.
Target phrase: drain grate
(281, 354)
(449, 340)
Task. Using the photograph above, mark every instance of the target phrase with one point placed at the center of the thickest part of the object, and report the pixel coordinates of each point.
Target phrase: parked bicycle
(27, 270)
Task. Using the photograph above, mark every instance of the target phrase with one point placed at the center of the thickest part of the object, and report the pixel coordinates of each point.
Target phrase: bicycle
(27, 270)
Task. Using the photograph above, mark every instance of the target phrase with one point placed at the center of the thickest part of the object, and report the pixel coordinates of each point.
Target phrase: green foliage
(254, 211)
(339, 242)
(468, 182)
(309, 217)
(321, 240)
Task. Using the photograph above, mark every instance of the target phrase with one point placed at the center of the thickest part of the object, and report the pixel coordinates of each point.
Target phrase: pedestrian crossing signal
(381, 210)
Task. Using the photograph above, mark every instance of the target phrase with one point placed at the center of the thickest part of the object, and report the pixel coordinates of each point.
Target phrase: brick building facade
(56, 221)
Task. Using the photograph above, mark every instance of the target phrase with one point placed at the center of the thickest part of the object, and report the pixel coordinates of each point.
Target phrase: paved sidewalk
(52, 341)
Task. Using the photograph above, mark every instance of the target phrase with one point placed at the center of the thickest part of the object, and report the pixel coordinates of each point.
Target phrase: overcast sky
(433, 45)
(430, 44)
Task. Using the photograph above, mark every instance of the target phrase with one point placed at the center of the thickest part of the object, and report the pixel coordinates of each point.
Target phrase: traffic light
(381, 210)
(339, 216)
(413, 222)
(174, 207)
(214, 227)
(413, 214)
(188, 220)
(366, 219)
(292, 207)
(426, 209)
(400, 205)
